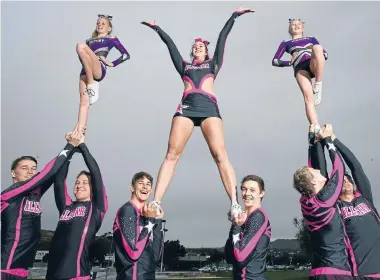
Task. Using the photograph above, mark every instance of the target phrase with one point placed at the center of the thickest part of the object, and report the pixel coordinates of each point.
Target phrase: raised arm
(124, 53)
(98, 191)
(357, 171)
(220, 45)
(126, 224)
(157, 239)
(276, 60)
(244, 248)
(317, 157)
(329, 195)
(43, 179)
(62, 198)
(176, 57)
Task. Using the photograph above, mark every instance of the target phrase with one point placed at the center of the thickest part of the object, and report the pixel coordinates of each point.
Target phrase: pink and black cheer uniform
(247, 246)
(138, 244)
(21, 218)
(77, 226)
(330, 259)
(196, 104)
(361, 219)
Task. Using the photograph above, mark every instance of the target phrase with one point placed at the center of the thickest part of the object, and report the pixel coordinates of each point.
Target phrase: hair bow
(201, 40)
(291, 19)
(106, 16)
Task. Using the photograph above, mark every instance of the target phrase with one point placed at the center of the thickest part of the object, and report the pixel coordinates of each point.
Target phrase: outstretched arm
(124, 53)
(220, 45)
(356, 168)
(62, 198)
(98, 191)
(329, 195)
(317, 157)
(245, 247)
(42, 179)
(276, 60)
(174, 53)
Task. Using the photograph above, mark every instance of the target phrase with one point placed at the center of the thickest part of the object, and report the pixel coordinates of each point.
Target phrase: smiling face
(348, 186)
(103, 26)
(141, 189)
(252, 193)
(199, 51)
(296, 27)
(82, 187)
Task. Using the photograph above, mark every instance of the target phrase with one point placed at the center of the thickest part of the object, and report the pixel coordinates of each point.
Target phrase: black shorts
(7, 276)
(366, 278)
(331, 277)
(197, 107)
(304, 65)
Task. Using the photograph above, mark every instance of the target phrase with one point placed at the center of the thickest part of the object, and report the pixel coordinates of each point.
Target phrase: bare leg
(93, 70)
(90, 62)
(212, 129)
(317, 62)
(304, 82)
(180, 132)
(84, 105)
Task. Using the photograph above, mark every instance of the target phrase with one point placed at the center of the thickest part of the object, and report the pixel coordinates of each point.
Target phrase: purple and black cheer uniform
(101, 47)
(303, 46)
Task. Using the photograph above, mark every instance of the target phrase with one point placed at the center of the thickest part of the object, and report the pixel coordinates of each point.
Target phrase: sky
(262, 107)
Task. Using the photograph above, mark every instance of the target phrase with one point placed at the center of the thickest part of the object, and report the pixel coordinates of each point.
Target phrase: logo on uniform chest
(197, 67)
(77, 212)
(32, 206)
(96, 41)
(354, 211)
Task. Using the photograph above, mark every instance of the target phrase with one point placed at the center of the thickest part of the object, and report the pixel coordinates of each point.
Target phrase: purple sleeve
(43, 179)
(133, 242)
(245, 242)
(98, 190)
(276, 61)
(329, 195)
(124, 53)
(157, 239)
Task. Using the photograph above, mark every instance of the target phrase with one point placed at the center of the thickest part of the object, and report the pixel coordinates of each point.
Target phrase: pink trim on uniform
(17, 235)
(32, 182)
(83, 240)
(81, 278)
(328, 271)
(16, 272)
